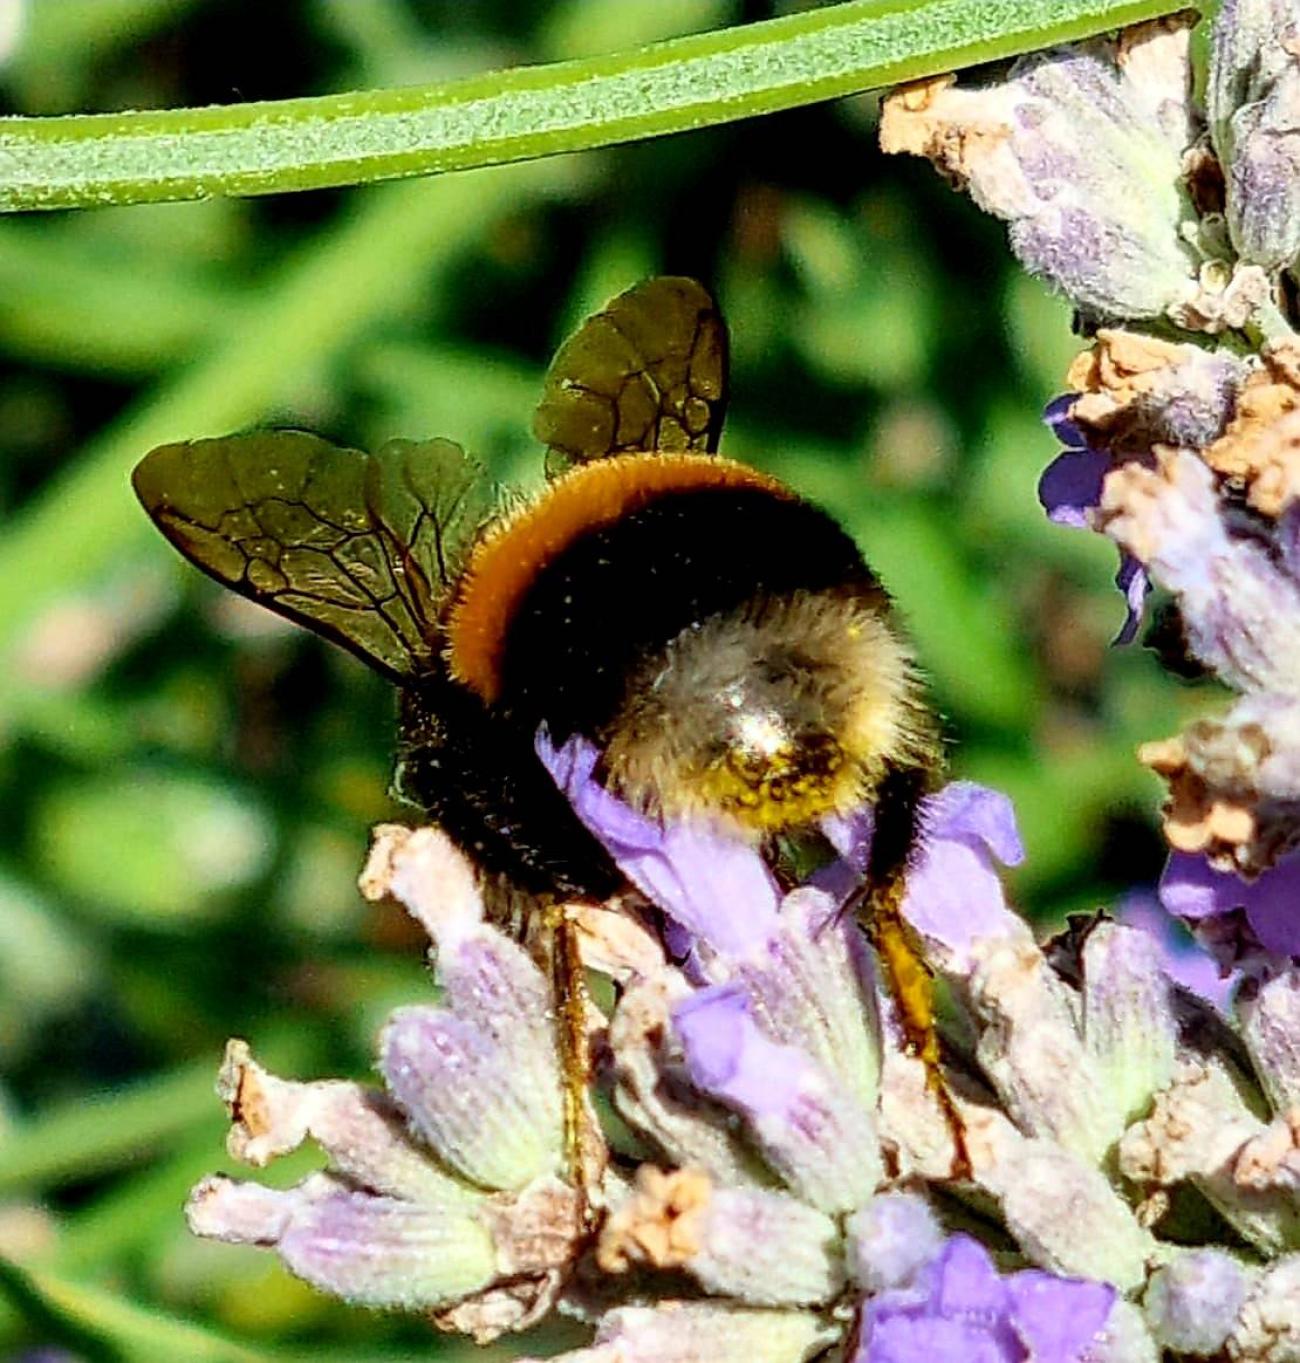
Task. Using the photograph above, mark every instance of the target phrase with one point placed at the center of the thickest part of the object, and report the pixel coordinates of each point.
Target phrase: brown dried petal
(660, 1224)
(360, 1130)
(1268, 1325)
(1137, 391)
(1080, 150)
(1261, 444)
(1234, 784)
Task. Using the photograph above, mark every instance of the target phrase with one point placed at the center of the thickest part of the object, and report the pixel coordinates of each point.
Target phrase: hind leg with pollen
(569, 991)
(879, 908)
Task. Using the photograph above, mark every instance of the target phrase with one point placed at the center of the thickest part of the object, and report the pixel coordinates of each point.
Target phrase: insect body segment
(720, 640)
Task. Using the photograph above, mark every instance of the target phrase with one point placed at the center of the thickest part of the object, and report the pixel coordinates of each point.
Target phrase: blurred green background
(187, 785)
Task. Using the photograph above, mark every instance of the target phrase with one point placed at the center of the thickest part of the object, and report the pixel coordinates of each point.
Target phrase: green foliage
(188, 786)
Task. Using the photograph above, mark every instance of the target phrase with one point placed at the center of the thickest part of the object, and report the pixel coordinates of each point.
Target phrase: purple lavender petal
(960, 1308)
(714, 885)
(1287, 538)
(850, 835)
(957, 1307)
(1240, 607)
(1133, 581)
(923, 1339)
(1056, 417)
(1070, 490)
(1182, 958)
(1070, 486)
(983, 819)
(728, 1056)
(813, 1132)
(1057, 1318)
(964, 1280)
(954, 894)
(814, 988)
(1191, 888)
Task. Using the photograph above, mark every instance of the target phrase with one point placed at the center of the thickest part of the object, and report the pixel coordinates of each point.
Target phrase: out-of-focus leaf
(89, 1133)
(81, 1136)
(958, 621)
(46, 967)
(153, 848)
(102, 310)
(62, 44)
(871, 315)
(142, 1213)
(94, 1317)
(1039, 328)
(584, 28)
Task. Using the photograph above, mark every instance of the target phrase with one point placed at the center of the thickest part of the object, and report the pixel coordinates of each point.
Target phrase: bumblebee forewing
(347, 544)
(648, 373)
(429, 500)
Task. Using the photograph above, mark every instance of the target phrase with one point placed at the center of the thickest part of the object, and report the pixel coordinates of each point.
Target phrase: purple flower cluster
(1157, 215)
(1233, 816)
(779, 1142)
(958, 1306)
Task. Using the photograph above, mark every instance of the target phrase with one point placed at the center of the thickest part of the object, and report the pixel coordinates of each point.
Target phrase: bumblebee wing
(360, 548)
(647, 373)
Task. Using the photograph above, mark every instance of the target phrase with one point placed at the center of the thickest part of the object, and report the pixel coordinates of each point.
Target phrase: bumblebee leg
(569, 987)
(879, 908)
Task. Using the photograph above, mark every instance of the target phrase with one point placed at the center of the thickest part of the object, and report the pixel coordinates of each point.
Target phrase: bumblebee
(719, 639)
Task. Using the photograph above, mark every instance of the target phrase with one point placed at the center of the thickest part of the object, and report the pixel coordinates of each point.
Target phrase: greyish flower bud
(1128, 1022)
(890, 1239)
(1126, 1339)
(1080, 151)
(1067, 1214)
(1192, 1303)
(1270, 1026)
(1247, 54)
(376, 1251)
(1253, 103)
(702, 1332)
(1268, 1329)
(1264, 174)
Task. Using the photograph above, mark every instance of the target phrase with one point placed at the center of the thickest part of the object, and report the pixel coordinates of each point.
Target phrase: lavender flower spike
(779, 1147)
(442, 1193)
(731, 897)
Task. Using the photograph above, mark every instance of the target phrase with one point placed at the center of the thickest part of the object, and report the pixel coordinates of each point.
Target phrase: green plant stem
(527, 112)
